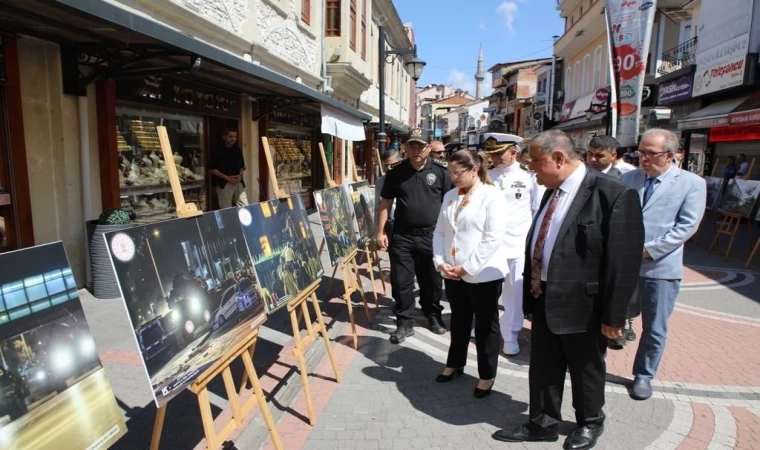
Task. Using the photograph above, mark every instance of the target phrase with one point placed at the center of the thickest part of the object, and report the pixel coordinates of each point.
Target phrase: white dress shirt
(476, 235)
(516, 185)
(569, 188)
(623, 166)
(607, 169)
(537, 195)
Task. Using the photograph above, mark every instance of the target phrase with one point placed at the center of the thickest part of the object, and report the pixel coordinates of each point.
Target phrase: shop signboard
(190, 293)
(723, 45)
(53, 389)
(675, 91)
(629, 29)
(180, 94)
(745, 118)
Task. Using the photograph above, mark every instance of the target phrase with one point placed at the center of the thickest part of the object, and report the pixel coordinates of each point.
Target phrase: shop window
(144, 183)
(332, 20)
(290, 141)
(352, 15)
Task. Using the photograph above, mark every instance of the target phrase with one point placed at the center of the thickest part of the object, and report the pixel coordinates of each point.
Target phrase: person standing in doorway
(227, 167)
(518, 188)
(673, 203)
(418, 185)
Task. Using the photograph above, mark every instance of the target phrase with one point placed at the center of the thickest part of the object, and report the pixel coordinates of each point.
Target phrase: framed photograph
(53, 389)
(367, 193)
(740, 197)
(714, 191)
(335, 210)
(282, 247)
(190, 293)
(362, 225)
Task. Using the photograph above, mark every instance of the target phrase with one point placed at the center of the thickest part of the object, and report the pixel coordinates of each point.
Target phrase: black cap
(417, 135)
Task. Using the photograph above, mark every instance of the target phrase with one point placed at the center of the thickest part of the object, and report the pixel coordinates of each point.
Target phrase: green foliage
(114, 217)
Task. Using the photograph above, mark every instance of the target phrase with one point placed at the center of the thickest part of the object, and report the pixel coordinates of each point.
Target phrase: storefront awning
(104, 26)
(342, 126)
(581, 122)
(715, 115)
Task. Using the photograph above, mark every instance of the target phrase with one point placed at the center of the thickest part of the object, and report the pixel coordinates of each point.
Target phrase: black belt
(412, 231)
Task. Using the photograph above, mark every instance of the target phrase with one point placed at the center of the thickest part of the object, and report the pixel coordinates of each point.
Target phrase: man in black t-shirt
(418, 185)
(226, 168)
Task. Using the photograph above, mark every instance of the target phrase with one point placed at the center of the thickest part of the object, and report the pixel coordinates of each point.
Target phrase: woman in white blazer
(466, 242)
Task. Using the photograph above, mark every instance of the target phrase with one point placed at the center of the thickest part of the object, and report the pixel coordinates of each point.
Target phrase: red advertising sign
(735, 134)
(751, 117)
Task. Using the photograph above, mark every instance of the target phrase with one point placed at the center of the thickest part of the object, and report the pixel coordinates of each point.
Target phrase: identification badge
(518, 194)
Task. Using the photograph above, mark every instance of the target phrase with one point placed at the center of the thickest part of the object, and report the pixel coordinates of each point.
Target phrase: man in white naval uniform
(520, 190)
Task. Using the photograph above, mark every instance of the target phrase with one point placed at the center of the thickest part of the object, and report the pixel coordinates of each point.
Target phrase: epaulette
(524, 167)
(440, 163)
(391, 166)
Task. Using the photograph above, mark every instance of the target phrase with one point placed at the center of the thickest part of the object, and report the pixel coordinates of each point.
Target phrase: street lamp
(415, 64)
(606, 108)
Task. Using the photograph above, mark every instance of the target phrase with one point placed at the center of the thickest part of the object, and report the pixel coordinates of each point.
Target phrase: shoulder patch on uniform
(441, 163)
(524, 167)
(394, 165)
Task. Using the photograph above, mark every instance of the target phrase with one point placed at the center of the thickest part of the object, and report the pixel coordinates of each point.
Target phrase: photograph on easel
(335, 211)
(359, 216)
(367, 193)
(714, 191)
(283, 249)
(53, 388)
(740, 197)
(188, 287)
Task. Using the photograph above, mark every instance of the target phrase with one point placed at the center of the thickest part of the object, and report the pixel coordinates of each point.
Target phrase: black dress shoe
(629, 334)
(526, 433)
(436, 325)
(480, 393)
(445, 378)
(401, 333)
(584, 437)
(617, 343)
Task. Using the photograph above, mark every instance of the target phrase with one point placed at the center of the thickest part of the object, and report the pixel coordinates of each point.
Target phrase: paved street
(707, 394)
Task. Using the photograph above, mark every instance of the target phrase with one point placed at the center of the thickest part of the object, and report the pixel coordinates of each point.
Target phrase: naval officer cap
(493, 145)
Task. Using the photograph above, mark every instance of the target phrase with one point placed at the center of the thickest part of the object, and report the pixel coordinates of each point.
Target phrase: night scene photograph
(367, 194)
(53, 387)
(283, 248)
(187, 284)
(361, 224)
(335, 213)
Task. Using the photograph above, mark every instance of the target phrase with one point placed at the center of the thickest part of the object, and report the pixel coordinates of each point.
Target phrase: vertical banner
(629, 30)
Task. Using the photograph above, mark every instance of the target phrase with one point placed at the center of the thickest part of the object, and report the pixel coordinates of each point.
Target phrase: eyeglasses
(458, 172)
(439, 152)
(647, 154)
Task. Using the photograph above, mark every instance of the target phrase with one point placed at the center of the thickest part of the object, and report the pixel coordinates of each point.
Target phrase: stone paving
(707, 394)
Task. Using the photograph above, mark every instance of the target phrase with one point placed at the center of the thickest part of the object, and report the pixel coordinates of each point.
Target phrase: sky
(449, 33)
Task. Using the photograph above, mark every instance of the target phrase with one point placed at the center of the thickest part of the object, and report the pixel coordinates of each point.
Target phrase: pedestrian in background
(582, 259)
(673, 203)
(438, 150)
(467, 249)
(418, 185)
(519, 190)
(601, 154)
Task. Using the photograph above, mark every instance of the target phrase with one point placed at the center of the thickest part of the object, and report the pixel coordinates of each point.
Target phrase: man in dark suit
(602, 151)
(582, 259)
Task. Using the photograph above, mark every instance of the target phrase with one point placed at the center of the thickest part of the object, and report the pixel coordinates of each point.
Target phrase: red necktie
(538, 250)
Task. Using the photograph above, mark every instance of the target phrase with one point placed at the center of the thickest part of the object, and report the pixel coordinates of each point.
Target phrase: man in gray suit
(601, 154)
(673, 202)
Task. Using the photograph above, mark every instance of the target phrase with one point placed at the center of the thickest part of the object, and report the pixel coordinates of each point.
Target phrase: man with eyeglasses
(673, 203)
(438, 150)
(417, 185)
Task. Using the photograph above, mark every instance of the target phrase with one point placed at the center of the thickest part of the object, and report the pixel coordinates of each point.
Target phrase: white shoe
(511, 348)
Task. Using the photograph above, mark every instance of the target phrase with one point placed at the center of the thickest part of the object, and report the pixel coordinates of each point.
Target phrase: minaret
(480, 75)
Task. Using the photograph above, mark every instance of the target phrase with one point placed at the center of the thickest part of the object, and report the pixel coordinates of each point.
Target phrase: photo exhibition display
(282, 247)
(361, 224)
(188, 286)
(53, 390)
(335, 210)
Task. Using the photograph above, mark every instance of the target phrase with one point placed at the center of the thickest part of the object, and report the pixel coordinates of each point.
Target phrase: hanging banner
(629, 29)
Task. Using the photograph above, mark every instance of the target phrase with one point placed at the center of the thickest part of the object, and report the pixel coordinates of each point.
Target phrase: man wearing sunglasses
(418, 185)
(673, 203)
(438, 150)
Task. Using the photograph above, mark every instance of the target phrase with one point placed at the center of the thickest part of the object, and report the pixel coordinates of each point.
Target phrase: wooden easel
(749, 172)
(752, 255)
(729, 226)
(243, 349)
(299, 311)
(714, 167)
(379, 162)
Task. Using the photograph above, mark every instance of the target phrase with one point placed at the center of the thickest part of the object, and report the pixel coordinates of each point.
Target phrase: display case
(143, 179)
(291, 149)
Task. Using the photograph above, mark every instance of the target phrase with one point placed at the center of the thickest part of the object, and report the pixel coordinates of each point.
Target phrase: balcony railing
(678, 57)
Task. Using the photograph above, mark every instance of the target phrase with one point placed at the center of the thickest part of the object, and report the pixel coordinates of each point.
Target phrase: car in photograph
(247, 295)
(228, 305)
(189, 304)
(154, 335)
(13, 391)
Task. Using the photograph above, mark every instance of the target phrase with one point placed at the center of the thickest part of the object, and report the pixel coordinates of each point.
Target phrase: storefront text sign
(180, 94)
(675, 91)
(629, 29)
(723, 44)
(745, 118)
(735, 134)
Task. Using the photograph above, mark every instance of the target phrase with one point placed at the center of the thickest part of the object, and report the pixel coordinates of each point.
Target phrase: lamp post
(415, 64)
(606, 108)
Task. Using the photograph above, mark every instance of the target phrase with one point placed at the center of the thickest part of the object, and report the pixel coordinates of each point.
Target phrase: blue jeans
(658, 298)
